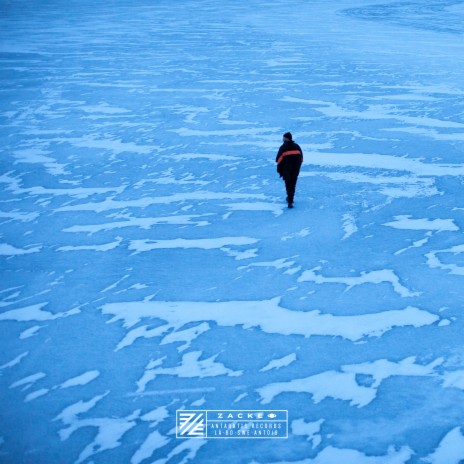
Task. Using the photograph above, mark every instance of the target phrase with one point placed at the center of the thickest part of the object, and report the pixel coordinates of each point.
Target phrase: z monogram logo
(191, 424)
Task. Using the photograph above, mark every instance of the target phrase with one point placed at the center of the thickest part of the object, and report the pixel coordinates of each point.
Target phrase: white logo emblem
(222, 423)
(191, 424)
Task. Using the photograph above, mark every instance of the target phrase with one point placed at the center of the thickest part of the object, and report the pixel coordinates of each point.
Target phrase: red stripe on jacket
(288, 153)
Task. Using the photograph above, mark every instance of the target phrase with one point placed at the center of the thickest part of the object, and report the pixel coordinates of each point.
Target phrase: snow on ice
(150, 264)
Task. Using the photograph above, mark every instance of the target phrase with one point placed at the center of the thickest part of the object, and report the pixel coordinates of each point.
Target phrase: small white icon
(191, 424)
(272, 416)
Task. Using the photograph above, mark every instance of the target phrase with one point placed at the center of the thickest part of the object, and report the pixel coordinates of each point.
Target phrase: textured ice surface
(149, 262)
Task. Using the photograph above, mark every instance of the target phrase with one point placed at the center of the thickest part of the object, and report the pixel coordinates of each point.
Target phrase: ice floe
(269, 316)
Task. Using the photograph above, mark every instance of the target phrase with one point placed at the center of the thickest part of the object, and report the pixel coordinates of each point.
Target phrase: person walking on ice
(289, 159)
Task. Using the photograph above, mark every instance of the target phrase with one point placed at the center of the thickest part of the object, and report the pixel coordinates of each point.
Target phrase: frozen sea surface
(149, 262)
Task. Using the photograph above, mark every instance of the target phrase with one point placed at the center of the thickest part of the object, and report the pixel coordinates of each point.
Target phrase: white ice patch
(207, 156)
(112, 145)
(36, 394)
(282, 263)
(279, 363)
(248, 133)
(202, 243)
(27, 382)
(71, 413)
(386, 162)
(14, 361)
(311, 430)
(153, 442)
(191, 366)
(110, 430)
(382, 369)
(390, 186)
(200, 402)
(440, 225)
(30, 332)
(104, 247)
(77, 192)
(434, 262)
(430, 133)
(344, 385)
(156, 416)
(373, 112)
(331, 455)
(103, 108)
(19, 216)
(266, 315)
(454, 379)
(170, 180)
(145, 202)
(10, 250)
(34, 313)
(349, 225)
(38, 156)
(82, 379)
(113, 286)
(274, 208)
(370, 277)
(140, 332)
(142, 223)
(186, 336)
(188, 449)
(302, 233)
(416, 244)
(240, 255)
(450, 450)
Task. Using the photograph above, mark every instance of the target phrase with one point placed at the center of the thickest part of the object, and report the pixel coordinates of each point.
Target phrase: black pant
(290, 185)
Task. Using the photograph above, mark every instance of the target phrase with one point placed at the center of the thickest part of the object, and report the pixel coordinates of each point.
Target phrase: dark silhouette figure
(289, 159)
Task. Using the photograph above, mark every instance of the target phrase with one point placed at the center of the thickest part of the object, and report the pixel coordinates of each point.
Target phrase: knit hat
(288, 136)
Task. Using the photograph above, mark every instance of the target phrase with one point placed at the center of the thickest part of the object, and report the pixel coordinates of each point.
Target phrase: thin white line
(169, 392)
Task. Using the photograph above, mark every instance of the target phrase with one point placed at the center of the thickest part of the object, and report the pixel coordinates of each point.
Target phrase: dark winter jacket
(289, 159)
